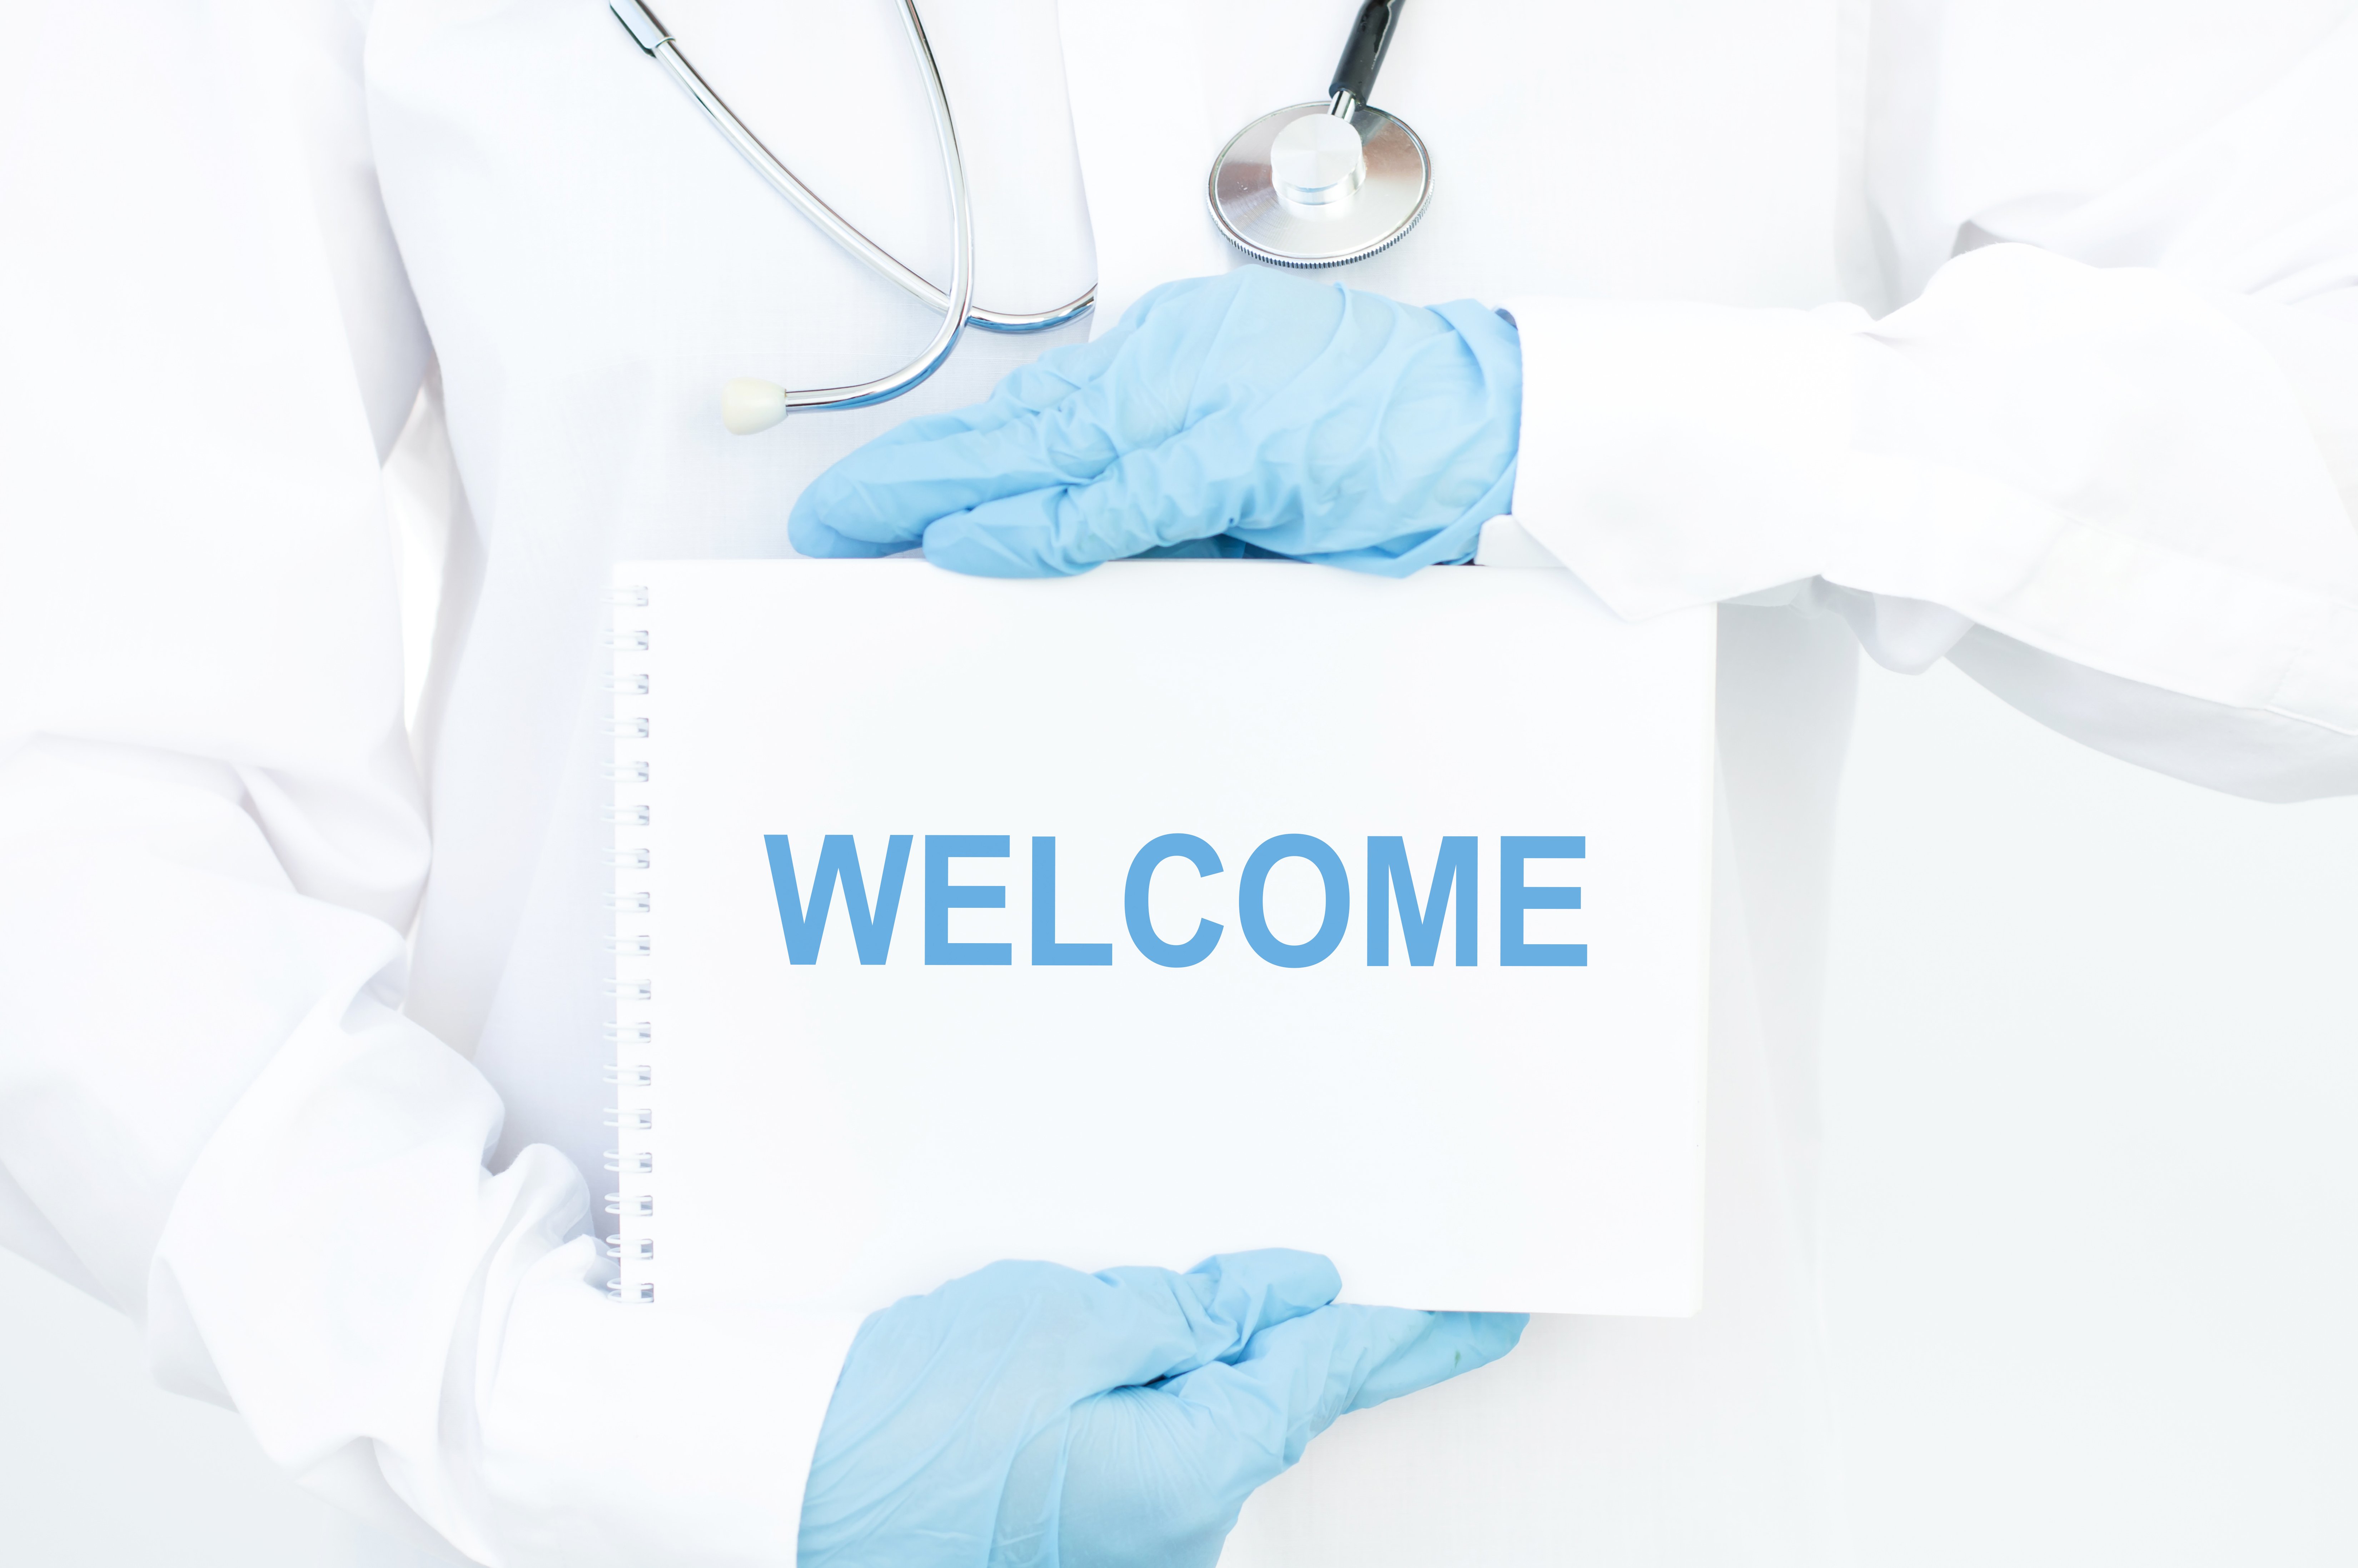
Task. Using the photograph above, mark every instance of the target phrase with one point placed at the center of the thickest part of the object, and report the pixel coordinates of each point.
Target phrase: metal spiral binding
(630, 857)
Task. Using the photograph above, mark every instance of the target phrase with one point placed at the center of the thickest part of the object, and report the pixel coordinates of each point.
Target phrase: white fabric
(2102, 459)
(1975, 450)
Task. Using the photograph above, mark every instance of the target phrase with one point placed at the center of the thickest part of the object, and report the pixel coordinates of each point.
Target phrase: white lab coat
(2107, 468)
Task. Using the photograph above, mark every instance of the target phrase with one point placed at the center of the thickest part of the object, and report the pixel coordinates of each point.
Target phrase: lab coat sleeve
(212, 1112)
(2120, 495)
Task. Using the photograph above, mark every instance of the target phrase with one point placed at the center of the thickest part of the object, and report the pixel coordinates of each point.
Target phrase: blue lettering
(1046, 949)
(1453, 894)
(1140, 918)
(1457, 869)
(942, 896)
(838, 860)
(1255, 884)
(1514, 898)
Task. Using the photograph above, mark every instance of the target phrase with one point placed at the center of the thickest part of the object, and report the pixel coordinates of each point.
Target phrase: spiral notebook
(1179, 908)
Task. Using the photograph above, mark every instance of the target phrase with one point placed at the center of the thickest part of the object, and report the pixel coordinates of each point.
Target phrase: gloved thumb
(1154, 1476)
(1296, 1378)
(1251, 1418)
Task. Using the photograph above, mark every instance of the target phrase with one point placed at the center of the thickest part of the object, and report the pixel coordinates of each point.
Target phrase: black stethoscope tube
(1364, 51)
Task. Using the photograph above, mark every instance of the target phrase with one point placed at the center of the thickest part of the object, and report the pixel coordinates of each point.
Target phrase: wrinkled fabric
(2033, 446)
(1298, 417)
(1031, 1415)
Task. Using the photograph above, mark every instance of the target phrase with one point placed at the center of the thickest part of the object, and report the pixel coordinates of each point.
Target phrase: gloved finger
(1053, 379)
(1197, 483)
(1030, 434)
(1011, 1343)
(1212, 455)
(1155, 1477)
(1152, 1324)
(1450, 1343)
(1295, 1377)
(877, 499)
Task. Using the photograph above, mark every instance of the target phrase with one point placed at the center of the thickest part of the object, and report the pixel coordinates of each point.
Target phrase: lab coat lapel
(1135, 76)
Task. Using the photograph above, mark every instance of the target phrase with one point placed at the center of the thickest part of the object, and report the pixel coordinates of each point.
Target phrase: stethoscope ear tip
(747, 405)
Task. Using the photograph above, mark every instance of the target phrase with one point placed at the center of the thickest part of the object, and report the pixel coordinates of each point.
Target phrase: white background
(2092, 1080)
(2092, 1092)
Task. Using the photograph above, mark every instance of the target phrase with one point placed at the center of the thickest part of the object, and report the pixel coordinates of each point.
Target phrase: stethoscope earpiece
(748, 405)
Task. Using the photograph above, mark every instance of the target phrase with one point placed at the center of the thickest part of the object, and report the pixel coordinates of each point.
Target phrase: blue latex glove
(1029, 1416)
(1265, 409)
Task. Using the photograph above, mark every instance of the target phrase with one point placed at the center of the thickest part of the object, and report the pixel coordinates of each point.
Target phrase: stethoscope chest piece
(1289, 188)
(1323, 184)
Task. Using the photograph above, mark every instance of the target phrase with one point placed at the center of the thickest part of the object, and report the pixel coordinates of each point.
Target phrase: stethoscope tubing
(750, 405)
(956, 306)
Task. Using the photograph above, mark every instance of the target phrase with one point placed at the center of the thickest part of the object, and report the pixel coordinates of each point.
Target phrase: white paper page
(1477, 1135)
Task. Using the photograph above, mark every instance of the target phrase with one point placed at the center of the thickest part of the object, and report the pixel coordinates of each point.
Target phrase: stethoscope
(1311, 184)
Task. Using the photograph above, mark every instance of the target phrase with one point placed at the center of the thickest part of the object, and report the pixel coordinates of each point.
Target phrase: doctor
(2018, 334)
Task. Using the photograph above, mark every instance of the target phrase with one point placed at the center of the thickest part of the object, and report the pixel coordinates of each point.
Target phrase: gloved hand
(1031, 1416)
(1305, 418)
